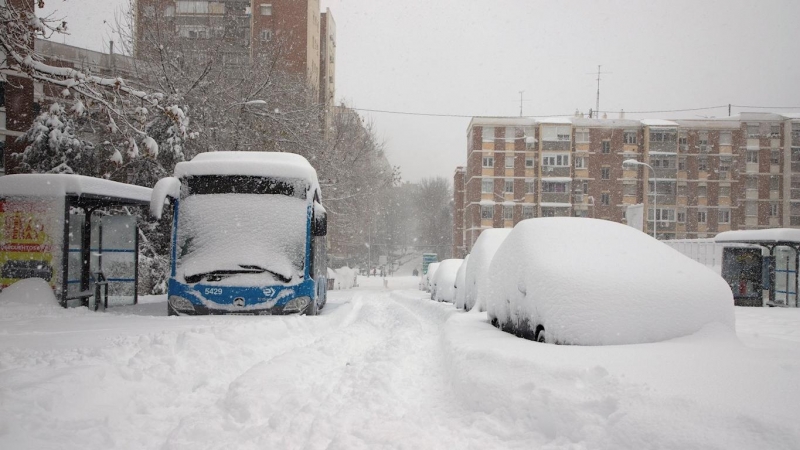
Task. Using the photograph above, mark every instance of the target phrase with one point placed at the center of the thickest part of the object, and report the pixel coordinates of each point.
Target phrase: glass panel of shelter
(785, 276)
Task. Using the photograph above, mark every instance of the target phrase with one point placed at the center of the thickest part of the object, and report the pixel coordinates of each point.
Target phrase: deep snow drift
(384, 369)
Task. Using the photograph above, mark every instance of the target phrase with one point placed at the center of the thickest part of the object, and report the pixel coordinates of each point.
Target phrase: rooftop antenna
(597, 105)
(520, 102)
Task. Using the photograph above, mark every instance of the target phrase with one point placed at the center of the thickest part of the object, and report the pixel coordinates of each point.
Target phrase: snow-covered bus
(248, 235)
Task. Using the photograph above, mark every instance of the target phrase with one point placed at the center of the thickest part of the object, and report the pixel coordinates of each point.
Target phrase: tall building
(249, 29)
(327, 67)
(705, 176)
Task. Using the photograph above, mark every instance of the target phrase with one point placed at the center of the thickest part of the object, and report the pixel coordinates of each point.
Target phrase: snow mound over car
(595, 282)
(444, 280)
(477, 271)
(34, 293)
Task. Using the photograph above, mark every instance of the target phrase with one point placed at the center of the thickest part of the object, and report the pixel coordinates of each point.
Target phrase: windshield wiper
(258, 269)
(218, 275)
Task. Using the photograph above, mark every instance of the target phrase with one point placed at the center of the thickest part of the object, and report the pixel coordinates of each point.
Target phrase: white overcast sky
(472, 57)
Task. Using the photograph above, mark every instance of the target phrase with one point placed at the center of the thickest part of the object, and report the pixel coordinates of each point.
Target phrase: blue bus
(248, 235)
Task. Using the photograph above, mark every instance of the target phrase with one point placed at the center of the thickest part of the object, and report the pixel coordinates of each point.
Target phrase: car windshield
(243, 238)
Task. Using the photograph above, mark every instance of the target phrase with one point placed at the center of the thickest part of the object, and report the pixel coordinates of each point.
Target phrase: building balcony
(554, 171)
(555, 197)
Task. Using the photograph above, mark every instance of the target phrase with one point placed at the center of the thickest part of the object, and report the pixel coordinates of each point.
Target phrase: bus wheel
(312, 309)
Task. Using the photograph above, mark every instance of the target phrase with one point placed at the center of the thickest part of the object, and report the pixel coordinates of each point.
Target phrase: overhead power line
(767, 107)
(468, 116)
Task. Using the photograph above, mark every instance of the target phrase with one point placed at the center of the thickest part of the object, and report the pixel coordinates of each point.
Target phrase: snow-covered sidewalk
(384, 369)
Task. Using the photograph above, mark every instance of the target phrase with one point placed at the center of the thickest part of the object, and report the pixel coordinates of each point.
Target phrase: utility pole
(597, 105)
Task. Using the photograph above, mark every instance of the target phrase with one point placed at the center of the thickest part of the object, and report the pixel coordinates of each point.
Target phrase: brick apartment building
(22, 99)
(294, 31)
(713, 175)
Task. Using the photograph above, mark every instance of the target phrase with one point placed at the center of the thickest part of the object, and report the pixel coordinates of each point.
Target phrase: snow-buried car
(594, 282)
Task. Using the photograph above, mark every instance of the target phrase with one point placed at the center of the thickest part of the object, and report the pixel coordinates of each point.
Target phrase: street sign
(428, 258)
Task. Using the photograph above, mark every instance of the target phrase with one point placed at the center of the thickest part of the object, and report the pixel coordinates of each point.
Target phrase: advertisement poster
(30, 239)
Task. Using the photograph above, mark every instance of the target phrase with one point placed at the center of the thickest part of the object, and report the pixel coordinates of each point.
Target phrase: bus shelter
(765, 275)
(69, 231)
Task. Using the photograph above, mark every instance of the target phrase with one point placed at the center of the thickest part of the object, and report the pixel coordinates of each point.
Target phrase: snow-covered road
(384, 369)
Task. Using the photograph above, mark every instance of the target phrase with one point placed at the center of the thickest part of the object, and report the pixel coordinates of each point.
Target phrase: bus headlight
(297, 304)
(180, 304)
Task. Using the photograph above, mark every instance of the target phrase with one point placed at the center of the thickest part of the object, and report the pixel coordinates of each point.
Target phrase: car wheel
(171, 311)
(540, 337)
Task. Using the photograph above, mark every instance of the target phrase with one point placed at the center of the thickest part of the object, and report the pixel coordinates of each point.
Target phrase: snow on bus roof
(265, 164)
(770, 235)
(60, 185)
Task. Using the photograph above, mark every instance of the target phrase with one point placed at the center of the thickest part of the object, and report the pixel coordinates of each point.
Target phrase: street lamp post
(633, 162)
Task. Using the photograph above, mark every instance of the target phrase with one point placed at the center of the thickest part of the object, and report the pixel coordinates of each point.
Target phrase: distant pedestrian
(415, 272)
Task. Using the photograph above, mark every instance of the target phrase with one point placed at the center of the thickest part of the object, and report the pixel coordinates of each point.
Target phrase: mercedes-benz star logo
(238, 301)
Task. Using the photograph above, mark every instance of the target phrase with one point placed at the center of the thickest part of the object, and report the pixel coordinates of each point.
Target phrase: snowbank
(444, 280)
(345, 277)
(34, 293)
(461, 280)
(480, 258)
(595, 282)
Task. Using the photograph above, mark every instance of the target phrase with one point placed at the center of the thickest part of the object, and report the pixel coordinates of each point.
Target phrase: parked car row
(580, 281)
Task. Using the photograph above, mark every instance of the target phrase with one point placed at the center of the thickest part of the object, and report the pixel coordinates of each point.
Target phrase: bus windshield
(242, 231)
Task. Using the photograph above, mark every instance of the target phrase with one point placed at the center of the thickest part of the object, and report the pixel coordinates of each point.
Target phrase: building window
(662, 135)
(630, 137)
(605, 173)
(628, 189)
(682, 163)
(191, 7)
(774, 183)
(2, 155)
(773, 209)
(555, 160)
(530, 186)
(681, 216)
(702, 163)
(775, 157)
(702, 191)
(724, 216)
(752, 131)
(683, 142)
(556, 133)
(725, 138)
(487, 185)
(775, 131)
(488, 161)
(487, 211)
(509, 162)
(581, 136)
(724, 191)
(606, 147)
(554, 187)
(265, 35)
(580, 162)
(508, 212)
(509, 186)
(662, 215)
(511, 133)
(725, 163)
(488, 134)
(701, 217)
(605, 199)
(528, 212)
(751, 209)
(529, 163)
(752, 156)
(265, 9)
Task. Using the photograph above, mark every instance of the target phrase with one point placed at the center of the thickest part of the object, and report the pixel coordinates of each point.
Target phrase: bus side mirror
(166, 187)
(321, 224)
